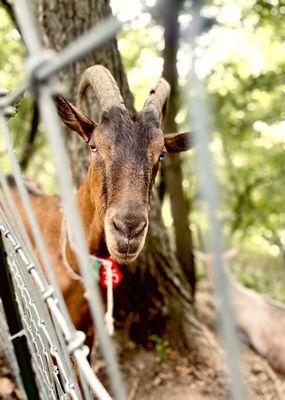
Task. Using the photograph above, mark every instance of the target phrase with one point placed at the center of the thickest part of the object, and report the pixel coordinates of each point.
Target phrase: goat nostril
(140, 228)
(117, 225)
(127, 228)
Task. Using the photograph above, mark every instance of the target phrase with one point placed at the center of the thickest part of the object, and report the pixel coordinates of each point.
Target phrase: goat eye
(161, 157)
(93, 147)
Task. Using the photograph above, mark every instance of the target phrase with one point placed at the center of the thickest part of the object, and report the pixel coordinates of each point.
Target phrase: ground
(164, 374)
(150, 378)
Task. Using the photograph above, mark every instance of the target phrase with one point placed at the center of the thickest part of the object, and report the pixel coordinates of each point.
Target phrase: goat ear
(75, 119)
(176, 142)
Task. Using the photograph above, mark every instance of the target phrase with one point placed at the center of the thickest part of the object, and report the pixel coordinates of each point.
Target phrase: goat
(125, 152)
(258, 318)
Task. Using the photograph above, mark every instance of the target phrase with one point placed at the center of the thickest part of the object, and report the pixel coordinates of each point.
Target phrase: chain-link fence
(58, 354)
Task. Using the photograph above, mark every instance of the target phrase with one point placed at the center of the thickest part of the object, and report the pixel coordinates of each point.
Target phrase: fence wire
(7, 347)
(55, 346)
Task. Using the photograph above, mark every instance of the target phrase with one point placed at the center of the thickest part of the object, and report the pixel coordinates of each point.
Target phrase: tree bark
(172, 167)
(154, 298)
(61, 21)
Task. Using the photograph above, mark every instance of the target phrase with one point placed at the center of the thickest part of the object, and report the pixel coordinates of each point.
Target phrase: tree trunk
(61, 21)
(155, 297)
(172, 167)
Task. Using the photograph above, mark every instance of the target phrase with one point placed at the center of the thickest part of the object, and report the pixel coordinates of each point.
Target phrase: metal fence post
(14, 322)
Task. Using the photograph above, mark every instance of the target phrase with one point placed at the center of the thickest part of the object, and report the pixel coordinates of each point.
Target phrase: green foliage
(140, 48)
(268, 278)
(160, 348)
(12, 73)
(11, 54)
(246, 93)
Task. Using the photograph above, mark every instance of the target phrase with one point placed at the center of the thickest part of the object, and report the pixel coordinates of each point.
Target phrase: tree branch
(29, 145)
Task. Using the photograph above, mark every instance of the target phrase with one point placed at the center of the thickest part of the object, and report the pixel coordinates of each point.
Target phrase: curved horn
(104, 85)
(157, 98)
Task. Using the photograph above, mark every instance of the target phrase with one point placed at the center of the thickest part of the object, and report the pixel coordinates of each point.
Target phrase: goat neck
(91, 211)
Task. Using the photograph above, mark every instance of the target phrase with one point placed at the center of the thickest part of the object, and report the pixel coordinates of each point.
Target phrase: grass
(263, 274)
(258, 271)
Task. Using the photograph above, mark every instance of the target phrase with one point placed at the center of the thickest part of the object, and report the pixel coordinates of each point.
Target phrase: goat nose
(129, 226)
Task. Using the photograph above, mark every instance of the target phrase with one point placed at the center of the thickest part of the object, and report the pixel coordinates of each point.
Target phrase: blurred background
(242, 59)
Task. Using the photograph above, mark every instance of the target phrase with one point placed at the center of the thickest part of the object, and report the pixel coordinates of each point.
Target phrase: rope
(109, 319)
(64, 233)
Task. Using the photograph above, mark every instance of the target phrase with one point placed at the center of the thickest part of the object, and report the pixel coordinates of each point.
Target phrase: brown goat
(114, 199)
(258, 318)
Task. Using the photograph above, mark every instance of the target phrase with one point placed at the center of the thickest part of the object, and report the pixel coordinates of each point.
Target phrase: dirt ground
(178, 379)
(147, 377)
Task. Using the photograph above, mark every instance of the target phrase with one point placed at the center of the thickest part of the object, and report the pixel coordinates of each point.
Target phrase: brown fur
(49, 217)
(114, 198)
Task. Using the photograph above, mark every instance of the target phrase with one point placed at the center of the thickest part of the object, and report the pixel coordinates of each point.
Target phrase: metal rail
(199, 116)
(13, 318)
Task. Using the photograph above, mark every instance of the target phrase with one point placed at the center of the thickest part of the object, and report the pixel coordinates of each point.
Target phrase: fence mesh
(55, 346)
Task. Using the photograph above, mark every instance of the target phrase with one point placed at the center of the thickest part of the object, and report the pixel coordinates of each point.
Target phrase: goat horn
(157, 98)
(104, 85)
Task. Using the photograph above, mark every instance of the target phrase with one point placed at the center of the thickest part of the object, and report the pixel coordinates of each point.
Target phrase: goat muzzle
(125, 233)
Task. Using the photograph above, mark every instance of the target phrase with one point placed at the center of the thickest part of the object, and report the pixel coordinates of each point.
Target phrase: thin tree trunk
(154, 297)
(29, 145)
(172, 167)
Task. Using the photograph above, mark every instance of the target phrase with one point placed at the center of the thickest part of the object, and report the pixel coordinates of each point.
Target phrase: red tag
(116, 274)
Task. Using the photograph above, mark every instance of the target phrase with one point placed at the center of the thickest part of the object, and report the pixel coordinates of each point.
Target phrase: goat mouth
(124, 258)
